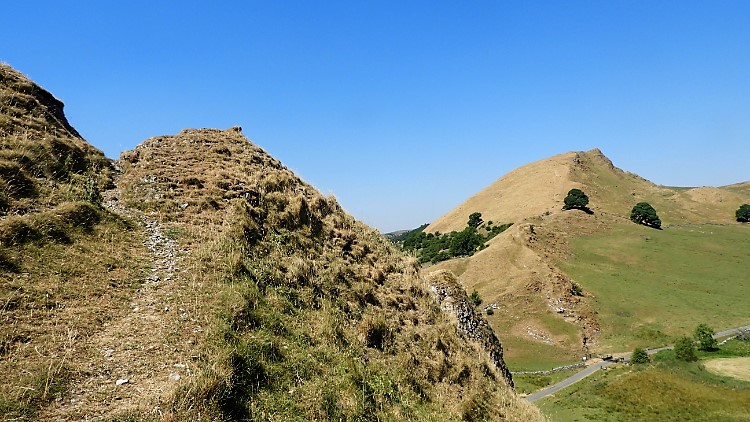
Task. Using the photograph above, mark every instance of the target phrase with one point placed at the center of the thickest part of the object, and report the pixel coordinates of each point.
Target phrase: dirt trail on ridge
(140, 358)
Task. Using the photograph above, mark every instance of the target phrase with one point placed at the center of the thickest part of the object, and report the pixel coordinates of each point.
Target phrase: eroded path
(137, 360)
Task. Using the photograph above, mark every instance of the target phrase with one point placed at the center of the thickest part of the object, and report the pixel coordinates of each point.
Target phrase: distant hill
(199, 278)
(527, 269)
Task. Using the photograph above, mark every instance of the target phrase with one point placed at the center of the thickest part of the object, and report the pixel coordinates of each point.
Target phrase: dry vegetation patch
(731, 367)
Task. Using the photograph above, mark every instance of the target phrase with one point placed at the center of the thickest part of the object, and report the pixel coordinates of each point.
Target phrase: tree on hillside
(639, 356)
(475, 298)
(704, 335)
(684, 349)
(465, 242)
(743, 213)
(576, 199)
(644, 213)
(475, 220)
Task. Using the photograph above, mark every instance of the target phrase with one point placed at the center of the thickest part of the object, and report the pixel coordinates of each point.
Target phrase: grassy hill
(536, 270)
(197, 278)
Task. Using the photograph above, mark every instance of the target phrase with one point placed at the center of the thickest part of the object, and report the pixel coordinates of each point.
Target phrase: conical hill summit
(527, 271)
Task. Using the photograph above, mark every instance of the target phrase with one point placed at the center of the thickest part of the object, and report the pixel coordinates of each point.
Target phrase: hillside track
(138, 360)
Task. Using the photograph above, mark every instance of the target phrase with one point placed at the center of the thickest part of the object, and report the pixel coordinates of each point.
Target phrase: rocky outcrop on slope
(453, 300)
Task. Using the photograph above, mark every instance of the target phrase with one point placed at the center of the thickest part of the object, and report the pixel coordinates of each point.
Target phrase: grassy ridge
(651, 285)
(311, 315)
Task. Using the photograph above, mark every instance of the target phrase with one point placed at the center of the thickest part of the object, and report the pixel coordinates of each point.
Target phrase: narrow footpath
(138, 360)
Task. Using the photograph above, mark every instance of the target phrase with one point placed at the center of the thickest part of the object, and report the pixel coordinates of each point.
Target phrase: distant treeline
(437, 247)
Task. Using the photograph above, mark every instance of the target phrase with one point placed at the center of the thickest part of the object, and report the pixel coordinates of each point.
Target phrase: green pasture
(667, 390)
(650, 286)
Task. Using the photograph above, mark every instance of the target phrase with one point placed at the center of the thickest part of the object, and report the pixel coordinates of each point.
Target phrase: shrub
(475, 298)
(643, 213)
(743, 213)
(576, 199)
(684, 349)
(704, 335)
(91, 192)
(640, 356)
(490, 311)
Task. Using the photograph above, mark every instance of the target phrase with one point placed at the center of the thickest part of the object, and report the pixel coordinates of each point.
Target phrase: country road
(567, 382)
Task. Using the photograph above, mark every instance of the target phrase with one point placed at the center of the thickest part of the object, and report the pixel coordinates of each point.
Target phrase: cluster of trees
(642, 213)
(685, 347)
(576, 200)
(437, 247)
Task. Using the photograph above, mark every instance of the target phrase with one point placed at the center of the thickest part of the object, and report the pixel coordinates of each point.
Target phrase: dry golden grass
(732, 367)
(524, 192)
(66, 265)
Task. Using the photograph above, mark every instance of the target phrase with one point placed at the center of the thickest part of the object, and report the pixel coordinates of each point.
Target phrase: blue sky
(403, 109)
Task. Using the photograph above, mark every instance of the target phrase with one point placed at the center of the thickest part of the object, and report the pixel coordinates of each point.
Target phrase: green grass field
(666, 390)
(650, 286)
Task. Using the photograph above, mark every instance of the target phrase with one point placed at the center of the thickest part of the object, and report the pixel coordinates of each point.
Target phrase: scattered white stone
(174, 376)
(180, 365)
(122, 381)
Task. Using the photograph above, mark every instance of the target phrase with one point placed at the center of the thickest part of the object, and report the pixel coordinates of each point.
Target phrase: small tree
(475, 220)
(704, 335)
(685, 350)
(644, 213)
(640, 356)
(475, 298)
(576, 199)
(743, 213)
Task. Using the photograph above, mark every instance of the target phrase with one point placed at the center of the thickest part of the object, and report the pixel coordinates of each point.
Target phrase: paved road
(567, 382)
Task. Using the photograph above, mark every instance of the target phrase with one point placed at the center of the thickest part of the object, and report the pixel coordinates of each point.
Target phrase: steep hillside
(526, 271)
(208, 282)
(66, 264)
(314, 315)
(524, 192)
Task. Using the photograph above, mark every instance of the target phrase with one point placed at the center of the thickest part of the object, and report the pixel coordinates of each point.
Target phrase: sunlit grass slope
(649, 286)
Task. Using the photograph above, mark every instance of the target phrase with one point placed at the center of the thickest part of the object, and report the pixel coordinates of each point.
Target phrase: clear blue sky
(403, 109)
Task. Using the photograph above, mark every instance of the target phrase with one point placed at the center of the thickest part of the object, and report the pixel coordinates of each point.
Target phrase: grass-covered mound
(312, 315)
(279, 306)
